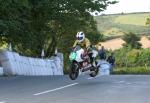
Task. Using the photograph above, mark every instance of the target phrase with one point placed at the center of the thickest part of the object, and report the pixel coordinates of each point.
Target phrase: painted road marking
(121, 82)
(2, 101)
(48, 91)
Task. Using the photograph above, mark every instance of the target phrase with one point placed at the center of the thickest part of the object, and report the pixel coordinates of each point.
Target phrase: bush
(144, 57)
(132, 57)
(121, 57)
(131, 40)
(95, 37)
(148, 37)
(132, 70)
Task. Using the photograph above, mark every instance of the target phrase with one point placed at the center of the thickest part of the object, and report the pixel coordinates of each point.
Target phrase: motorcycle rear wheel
(94, 71)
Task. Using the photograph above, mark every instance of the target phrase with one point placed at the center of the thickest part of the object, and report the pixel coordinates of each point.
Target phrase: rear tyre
(94, 71)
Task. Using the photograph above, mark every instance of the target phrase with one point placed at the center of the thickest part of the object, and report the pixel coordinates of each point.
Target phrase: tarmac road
(60, 89)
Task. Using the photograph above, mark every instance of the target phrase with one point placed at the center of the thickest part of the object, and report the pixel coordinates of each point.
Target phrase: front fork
(74, 67)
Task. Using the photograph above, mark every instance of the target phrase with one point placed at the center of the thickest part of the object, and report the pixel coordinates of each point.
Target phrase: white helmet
(80, 36)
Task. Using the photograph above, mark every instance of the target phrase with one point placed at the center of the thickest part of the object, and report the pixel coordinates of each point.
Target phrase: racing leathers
(86, 45)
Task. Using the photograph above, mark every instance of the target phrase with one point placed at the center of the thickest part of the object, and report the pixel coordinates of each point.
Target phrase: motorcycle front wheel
(73, 71)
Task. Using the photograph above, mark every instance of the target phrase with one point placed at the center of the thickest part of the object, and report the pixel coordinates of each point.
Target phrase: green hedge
(149, 37)
(132, 57)
(132, 70)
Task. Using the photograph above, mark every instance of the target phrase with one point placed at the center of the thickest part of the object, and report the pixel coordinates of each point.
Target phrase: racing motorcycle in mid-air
(80, 63)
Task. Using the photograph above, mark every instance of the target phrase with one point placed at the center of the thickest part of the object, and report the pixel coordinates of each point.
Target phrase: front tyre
(73, 71)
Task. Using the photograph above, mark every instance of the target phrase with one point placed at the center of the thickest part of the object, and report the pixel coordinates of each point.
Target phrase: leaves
(31, 25)
(148, 21)
(132, 41)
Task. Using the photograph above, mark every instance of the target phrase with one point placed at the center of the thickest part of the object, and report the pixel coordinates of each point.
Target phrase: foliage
(31, 25)
(95, 37)
(132, 56)
(121, 57)
(149, 37)
(148, 21)
(132, 70)
(144, 57)
(127, 57)
(131, 40)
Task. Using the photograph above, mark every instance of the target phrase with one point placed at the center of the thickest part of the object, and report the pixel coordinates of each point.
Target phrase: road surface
(60, 89)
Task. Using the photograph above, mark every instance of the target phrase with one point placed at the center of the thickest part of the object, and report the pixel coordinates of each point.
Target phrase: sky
(128, 6)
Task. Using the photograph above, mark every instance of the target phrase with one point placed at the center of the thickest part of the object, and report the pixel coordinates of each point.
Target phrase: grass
(132, 70)
(112, 25)
(132, 19)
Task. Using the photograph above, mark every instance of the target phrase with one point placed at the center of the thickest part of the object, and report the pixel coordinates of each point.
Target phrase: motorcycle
(80, 62)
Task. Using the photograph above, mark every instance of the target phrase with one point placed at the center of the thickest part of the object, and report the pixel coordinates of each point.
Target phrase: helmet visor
(79, 38)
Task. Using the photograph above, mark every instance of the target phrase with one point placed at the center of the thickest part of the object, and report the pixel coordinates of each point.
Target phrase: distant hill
(119, 24)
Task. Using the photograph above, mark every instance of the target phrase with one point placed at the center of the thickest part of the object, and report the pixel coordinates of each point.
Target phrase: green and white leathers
(72, 56)
(76, 54)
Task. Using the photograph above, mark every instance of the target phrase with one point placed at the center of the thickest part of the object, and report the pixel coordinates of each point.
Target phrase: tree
(148, 21)
(31, 25)
(131, 40)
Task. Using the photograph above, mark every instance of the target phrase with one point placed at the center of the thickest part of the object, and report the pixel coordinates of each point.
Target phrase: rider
(84, 43)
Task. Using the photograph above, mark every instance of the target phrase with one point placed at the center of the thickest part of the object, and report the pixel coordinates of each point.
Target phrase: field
(119, 24)
(116, 43)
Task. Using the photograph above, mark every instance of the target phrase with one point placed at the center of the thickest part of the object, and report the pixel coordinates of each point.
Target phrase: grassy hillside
(115, 25)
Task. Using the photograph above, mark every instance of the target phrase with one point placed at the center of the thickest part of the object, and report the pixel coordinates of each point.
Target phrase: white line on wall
(48, 91)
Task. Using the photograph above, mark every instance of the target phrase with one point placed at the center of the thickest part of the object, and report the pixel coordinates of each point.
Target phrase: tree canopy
(33, 25)
(148, 21)
(132, 40)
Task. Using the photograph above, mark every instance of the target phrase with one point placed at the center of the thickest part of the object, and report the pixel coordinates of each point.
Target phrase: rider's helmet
(80, 36)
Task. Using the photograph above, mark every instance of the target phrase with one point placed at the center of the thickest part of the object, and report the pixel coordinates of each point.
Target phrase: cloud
(129, 6)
